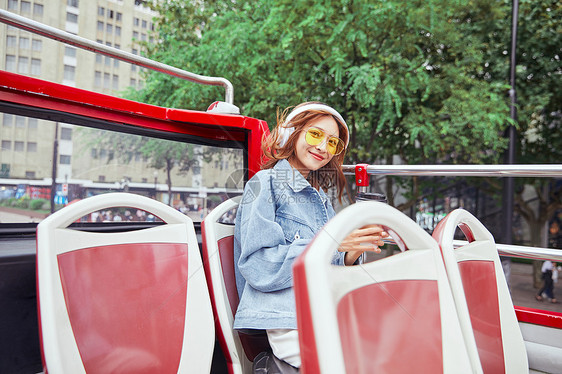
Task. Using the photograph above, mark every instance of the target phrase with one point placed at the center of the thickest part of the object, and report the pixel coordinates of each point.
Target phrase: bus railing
(77, 41)
(539, 170)
(362, 173)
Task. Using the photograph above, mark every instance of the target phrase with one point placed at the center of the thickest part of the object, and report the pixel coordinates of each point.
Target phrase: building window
(18, 146)
(11, 63)
(115, 82)
(135, 35)
(115, 63)
(25, 7)
(105, 80)
(23, 64)
(107, 61)
(100, 26)
(133, 82)
(8, 119)
(103, 153)
(110, 14)
(72, 3)
(69, 72)
(24, 43)
(5, 171)
(11, 41)
(36, 45)
(38, 10)
(135, 52)
(71, 17)
(30, 174)
(118, 46)
(101, 11)
(143, 37)
(64, 160)
(99, 58)
(144, 24)
(32, 123)
(70, 51)
(13, 4)
(101, 178)
(97, 78)
(35, 66)
(20, 122)
(31, 147)
(94, 153)
(133, 68)
(118, 16)
(66, 133)
(117, 30)
(109, 28)
(6, 145)
(136, 21)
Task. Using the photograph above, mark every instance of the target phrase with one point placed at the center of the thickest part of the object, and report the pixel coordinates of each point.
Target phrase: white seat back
(128, 302)
(218, 245)
(481, 294)
(394, 315)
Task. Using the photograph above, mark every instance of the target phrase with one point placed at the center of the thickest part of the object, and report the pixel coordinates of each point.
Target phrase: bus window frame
(35, 98)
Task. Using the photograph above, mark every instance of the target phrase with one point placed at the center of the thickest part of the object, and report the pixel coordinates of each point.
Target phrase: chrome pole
(538, 170)
(77, 41)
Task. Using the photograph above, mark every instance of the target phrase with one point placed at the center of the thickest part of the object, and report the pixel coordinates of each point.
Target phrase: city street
(523, 293)
(10, 215)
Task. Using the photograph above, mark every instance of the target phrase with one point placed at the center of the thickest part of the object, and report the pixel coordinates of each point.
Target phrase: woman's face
(307, 157)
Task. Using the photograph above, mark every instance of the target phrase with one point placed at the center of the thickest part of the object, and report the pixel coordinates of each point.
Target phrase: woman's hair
(330, 174)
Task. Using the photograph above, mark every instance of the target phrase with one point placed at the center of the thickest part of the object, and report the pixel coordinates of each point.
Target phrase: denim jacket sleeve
(266, 258)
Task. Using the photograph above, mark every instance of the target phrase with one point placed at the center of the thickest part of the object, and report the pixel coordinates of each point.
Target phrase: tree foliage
(161, 154)
(425, 80)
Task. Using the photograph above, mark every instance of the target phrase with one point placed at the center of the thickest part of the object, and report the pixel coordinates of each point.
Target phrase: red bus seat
(127, 302)
(478, 282)
(239, 348)
(394, 315)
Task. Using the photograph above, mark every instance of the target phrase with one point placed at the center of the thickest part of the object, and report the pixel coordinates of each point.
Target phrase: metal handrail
(539, 170)
(518, 251)
(77, 41)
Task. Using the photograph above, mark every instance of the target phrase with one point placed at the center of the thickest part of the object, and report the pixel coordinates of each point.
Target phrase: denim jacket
(279, 214)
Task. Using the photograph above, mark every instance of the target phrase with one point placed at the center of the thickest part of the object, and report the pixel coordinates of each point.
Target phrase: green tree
(539, 127)
(404, 74)
(161, 154)
(423, 80)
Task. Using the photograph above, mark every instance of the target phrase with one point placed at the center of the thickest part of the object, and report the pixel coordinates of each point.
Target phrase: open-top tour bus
(158, 295)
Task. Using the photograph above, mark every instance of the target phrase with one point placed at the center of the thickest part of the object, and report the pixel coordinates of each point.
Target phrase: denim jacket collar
(294, 179)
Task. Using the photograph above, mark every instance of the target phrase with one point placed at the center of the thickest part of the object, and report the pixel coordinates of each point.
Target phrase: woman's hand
(366, 238)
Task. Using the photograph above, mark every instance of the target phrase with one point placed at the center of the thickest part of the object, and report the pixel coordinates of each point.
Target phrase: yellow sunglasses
(315, 136)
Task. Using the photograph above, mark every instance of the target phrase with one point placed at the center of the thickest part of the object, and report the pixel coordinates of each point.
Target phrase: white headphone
(284, 132)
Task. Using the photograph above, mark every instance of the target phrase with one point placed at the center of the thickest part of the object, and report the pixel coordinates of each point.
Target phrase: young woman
(283, 207)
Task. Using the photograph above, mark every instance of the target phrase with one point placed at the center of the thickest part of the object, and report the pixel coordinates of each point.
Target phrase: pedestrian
(548, 288)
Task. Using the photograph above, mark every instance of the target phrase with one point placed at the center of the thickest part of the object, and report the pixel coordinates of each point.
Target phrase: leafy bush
(23, 203)
(8, 202)
(37, 204)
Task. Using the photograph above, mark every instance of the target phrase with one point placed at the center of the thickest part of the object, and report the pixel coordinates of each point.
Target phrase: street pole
(509, 190)
(54, 168)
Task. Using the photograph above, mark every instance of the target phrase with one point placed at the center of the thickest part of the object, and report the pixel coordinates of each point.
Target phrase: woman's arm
(266, 259)
(367, 238)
